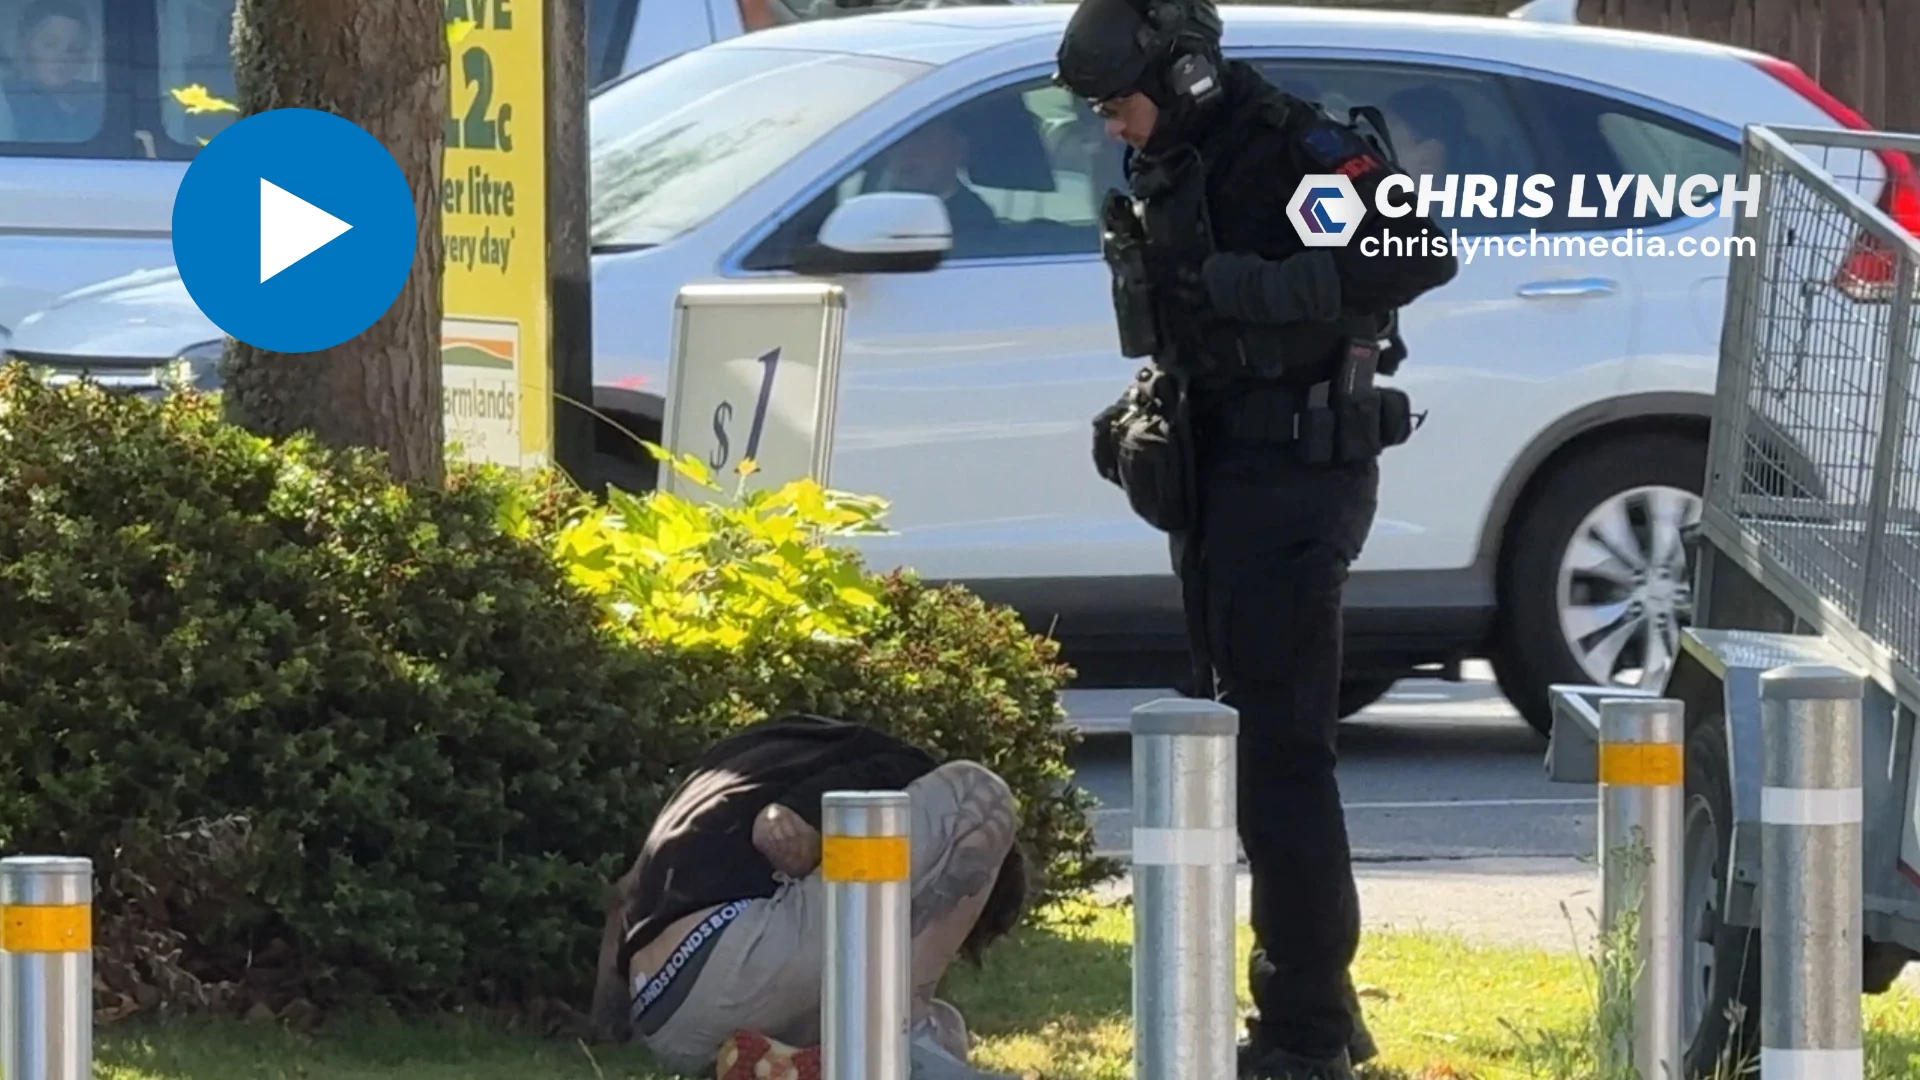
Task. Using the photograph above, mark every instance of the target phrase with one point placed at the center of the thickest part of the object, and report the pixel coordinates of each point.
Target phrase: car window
(1600, 136)
(1441, 120)
(195, 63)
(1021, 169)
(54, 83)
(609, 29)
(1643, 146)
(675, 144)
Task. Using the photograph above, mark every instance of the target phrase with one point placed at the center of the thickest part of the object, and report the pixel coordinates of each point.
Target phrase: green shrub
(327, 737)
(434, 748)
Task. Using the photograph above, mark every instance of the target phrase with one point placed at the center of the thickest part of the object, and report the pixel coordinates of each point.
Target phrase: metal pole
(46, 969)
(1642, 777)
(1894, 406)
(1810, 891)
(866, 1000)
(1185, 851)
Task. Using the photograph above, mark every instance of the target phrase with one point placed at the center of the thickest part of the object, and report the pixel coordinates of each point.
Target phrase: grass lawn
(1051, 1005)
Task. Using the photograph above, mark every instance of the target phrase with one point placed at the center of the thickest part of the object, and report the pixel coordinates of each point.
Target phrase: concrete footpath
(1552, 904)
(1545, 903)
(1454, 825)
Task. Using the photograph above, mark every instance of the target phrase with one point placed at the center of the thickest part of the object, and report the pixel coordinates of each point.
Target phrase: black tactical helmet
(1117, 47)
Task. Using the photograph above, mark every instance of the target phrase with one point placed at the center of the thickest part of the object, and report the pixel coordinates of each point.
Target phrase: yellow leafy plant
(754, 567)
(197, 99)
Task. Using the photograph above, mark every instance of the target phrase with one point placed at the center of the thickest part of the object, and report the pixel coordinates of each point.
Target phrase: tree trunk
(383, 65)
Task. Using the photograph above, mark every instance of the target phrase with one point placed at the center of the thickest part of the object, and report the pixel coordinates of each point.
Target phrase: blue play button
(293, 230)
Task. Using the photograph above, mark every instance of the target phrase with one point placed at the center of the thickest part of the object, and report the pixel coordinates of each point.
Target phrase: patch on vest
(1340, 150)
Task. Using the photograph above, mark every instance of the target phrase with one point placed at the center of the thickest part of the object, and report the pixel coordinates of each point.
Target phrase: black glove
(1300, 288)
(1106, 441)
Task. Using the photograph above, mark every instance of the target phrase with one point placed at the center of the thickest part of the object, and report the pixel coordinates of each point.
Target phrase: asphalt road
(1435, 770)
(1453, 821)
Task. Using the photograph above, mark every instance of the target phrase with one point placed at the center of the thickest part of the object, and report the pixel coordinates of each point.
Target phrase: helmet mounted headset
(1168, 57)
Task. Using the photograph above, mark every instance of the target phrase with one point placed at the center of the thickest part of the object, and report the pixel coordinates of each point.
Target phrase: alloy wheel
(1625, 587)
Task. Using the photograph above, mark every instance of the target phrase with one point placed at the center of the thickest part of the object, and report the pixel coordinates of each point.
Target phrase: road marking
(1434, 804)
(1467, 804)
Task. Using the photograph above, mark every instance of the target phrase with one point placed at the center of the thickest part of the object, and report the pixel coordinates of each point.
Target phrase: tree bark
(383, 65)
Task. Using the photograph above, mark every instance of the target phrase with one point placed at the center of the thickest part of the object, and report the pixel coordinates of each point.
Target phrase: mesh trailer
(1808, 551)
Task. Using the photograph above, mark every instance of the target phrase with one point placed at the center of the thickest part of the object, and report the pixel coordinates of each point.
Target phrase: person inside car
(929, 161)
(51, 88)
(1430, 133)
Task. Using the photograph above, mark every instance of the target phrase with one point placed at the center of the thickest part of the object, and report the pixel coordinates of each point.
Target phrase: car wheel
(1360, 693)
(1597, 581)
(1719, 964)
(608, 470)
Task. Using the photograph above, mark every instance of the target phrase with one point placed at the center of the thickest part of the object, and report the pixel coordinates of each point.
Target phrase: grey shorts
(762, 973)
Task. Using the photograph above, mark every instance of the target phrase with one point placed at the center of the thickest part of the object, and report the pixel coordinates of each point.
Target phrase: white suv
(1535, 518)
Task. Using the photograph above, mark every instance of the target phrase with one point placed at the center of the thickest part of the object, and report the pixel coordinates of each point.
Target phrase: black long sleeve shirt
(700, 853)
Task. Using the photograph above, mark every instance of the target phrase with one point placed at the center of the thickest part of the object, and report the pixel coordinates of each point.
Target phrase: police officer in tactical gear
(1252, 437)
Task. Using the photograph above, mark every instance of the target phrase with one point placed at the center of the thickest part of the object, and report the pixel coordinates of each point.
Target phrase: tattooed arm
(950, 895)
(982, 832)
(788, 842)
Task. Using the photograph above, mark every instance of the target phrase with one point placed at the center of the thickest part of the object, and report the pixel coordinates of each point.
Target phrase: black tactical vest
(1177, 191)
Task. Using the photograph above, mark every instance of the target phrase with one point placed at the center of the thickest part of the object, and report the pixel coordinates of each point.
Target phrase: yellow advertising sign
(493, 204)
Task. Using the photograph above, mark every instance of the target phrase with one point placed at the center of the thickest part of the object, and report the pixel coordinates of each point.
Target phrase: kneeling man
(713, 947)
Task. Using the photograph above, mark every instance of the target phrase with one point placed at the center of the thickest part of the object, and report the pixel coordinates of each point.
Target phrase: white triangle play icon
(291, 228)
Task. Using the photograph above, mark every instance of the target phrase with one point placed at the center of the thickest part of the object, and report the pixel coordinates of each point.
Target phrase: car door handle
(1591, 286)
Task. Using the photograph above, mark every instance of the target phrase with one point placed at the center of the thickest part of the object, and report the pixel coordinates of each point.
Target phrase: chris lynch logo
(1325, 210)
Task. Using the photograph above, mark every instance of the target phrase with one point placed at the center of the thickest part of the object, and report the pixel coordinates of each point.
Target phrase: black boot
(1281, 1065)
(1361, 1047)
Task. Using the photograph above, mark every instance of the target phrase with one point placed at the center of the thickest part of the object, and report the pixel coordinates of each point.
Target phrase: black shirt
(700, 852)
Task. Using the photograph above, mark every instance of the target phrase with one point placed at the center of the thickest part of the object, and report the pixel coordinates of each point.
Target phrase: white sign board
(756, 374)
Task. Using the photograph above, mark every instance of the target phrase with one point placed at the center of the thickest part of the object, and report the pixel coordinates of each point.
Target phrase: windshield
(675, 144)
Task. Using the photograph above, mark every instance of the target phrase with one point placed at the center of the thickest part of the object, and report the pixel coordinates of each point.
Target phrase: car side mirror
(881, 232)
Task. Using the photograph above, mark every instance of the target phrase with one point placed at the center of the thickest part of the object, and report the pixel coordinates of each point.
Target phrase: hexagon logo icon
(1325, 210)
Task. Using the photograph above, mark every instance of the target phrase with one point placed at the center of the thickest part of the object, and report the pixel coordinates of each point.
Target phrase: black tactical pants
(1263, 585)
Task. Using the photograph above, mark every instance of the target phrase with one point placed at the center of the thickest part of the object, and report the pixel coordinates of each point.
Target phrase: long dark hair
(1005, 907)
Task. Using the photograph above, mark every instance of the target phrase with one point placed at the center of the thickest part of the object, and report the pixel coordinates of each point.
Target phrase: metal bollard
(1642, 778)
(46, 969)
(1185, 850)
(1810, 811)
(866, 999)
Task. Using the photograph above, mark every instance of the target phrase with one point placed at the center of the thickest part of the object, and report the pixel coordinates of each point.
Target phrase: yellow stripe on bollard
(46, 928)
(865, 858)
(1642, 765)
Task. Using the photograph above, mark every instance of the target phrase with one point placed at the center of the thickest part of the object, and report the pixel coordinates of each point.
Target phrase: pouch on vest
(1150, 458)
(1368, 418)
(1368, 425)
(1396, 417)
